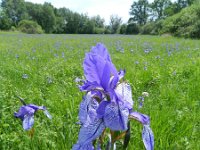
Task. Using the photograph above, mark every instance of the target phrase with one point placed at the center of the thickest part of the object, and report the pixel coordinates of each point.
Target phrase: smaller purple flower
(26, 114)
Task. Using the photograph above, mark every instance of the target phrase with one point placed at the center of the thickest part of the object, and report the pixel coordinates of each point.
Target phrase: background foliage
(157, 17)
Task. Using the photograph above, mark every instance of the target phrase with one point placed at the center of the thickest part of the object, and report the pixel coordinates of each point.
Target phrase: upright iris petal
(98, 67)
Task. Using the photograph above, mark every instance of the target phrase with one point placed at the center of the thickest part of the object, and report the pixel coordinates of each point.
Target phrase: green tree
(139, 12)
(99, 22)
(5, 21)
(48, 17)
(132, 28)
(15, 10)
(123, 29)
(158, 8)
(115, 22)
(43, 15)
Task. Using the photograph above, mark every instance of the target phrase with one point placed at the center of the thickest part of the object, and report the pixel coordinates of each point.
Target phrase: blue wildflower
(24, 76)
(108, 102)
(26, 114)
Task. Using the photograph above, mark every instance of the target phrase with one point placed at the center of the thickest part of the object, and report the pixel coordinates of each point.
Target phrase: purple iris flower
(108, 102)
(26, 114)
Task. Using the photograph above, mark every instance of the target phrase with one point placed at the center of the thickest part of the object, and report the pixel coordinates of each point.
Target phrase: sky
(104, 8)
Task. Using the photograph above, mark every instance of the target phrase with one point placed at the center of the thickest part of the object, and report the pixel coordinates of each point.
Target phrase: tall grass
(165, 67)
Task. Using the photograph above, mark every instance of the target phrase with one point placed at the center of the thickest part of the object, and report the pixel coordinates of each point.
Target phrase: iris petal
(116, 116)
(93, 67)
(87, 110)
(89, 133)
(85, 147)
(148, 137)
(28, 122)
(124, 92)
(46, 112)
(144, 119)
(24, 110)
(101, 50)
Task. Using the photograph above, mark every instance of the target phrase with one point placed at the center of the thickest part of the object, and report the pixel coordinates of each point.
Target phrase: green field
(167, 68)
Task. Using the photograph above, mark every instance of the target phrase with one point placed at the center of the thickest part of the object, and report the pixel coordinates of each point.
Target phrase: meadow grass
(42, 69)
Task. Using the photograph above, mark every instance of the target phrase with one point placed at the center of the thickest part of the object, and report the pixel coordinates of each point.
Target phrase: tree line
(20, 14)
(145, 18)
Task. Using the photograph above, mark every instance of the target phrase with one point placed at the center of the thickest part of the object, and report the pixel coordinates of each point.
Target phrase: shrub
(30, 27)
(184, 24)
(132, 28)
(148, 28)
(123, 29)
(99, 30)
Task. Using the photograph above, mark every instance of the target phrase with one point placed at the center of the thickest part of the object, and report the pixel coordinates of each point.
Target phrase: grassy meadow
(42, 69)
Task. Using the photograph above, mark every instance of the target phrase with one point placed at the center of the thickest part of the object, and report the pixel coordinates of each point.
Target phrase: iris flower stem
(21, 100)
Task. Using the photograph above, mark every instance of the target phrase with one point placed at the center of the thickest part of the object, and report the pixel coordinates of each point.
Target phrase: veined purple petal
(105, 76)
(89, 86)
(24, 110)
(124, 93)
(121, 74)
(93, 67)
(85, 147)
(28, 122)
(148, 137)
(116, 116)
(101, 109)
(91, 132)
(113, 82)
(144, 119)
(35, 107)
(99, 68)
(87, 110)
(26, 114)
(101, 50)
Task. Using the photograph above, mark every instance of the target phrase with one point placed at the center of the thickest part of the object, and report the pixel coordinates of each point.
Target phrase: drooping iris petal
(87, 110)
(89, 133)
(85, 147)
(124, 93)
(28, 122)
(116, 116)
(46, 112)
(144, 119)
(148, 137)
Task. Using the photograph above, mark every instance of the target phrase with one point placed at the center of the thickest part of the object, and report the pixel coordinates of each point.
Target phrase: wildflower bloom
(26, 114)
(145, 94)
(108, 102)
(24, 76)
